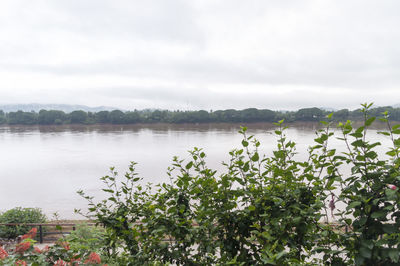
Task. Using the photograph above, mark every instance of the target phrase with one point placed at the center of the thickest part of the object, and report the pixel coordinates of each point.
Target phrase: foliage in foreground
(202, 219)
(60, 254)
(19, 215)
(84, 246)
(264, 210)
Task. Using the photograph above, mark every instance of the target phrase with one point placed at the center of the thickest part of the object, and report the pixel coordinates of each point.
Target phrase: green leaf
(112, 199)
(280, 254)
(394, 255)
(397, 126)
(319, 140)
(369, 121)
(384, 133)
(390, 194)
(396, 142)
(296, 220)
(359, 130)
(358, 143)
(362, 221)
(353, 205)
(255, 157)
(252, 208)
(245, 143)
(378, 214)
(368, 244)
(389, 228)
(371, 155)
(331, 152)
(189, 165)
(365, 252)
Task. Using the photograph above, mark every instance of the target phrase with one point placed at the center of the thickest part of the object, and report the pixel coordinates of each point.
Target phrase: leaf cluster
(19, 215)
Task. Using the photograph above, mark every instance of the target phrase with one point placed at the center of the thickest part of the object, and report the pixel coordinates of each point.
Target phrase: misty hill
(36, 107)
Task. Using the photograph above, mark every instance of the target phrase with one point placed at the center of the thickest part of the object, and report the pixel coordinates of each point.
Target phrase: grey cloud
(346, 50)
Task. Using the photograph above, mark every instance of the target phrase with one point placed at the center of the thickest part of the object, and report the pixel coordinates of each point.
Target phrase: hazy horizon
(71, 107)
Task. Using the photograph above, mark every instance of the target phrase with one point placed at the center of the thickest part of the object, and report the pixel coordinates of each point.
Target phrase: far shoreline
(189, 126)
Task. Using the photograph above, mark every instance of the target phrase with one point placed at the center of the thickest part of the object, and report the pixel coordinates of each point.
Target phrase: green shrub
(19, 215)
(260, 210)
(86, 237)
(264, 210)
(371, 196)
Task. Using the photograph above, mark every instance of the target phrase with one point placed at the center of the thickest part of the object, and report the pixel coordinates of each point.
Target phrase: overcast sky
(200, 54)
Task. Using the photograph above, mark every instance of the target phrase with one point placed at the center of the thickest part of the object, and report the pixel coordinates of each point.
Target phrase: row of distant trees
(55, 117)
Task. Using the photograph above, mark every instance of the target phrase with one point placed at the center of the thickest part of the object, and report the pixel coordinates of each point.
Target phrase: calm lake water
(45, 166)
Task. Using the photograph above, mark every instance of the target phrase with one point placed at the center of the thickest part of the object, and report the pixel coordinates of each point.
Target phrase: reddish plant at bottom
(22, 247)
(93, 258)
(3, 253)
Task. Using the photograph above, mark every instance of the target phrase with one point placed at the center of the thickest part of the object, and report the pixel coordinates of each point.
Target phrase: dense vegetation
(264, 210)
(54, 117)
(19, 215)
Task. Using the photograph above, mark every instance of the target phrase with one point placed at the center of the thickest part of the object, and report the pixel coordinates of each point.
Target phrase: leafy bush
(261, 210)
(19, 215)
(87, 237)
(25, 253)
(371, 196)
(264, 210)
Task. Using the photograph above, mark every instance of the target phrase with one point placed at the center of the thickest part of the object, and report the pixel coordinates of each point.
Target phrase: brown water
(45, 166)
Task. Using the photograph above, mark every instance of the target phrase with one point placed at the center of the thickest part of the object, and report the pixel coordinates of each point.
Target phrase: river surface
(45, 166)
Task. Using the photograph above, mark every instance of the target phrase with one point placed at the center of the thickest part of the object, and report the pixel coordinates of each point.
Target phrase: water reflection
(44, 166)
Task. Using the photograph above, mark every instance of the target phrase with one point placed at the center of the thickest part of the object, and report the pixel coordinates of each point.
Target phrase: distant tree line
(55, 117)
